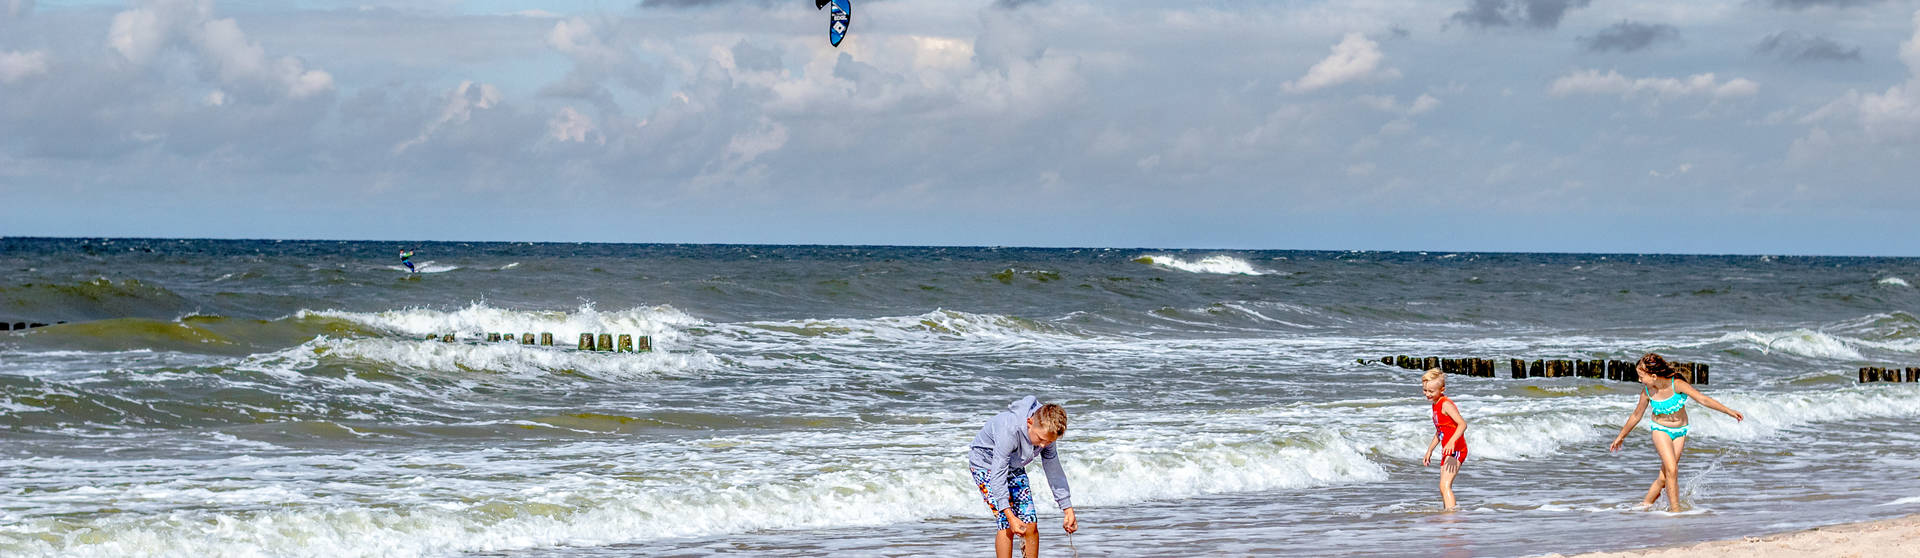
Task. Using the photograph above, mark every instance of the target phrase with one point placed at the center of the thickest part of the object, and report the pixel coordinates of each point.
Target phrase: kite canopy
(838, 19)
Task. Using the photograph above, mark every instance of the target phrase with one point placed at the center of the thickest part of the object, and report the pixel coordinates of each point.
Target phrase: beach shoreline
(1888, 537)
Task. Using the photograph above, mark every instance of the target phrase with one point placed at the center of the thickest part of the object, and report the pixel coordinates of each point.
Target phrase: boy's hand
(1019, 528)
(1070, 524)
(1427, 460)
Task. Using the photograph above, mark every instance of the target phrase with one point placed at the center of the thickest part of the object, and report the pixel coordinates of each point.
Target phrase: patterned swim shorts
(1019, 494)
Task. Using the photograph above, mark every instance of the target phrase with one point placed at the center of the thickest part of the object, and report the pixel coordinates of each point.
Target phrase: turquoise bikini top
(1666, 406)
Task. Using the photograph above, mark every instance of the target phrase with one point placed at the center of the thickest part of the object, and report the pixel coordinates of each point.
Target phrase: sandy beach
(1892, 537)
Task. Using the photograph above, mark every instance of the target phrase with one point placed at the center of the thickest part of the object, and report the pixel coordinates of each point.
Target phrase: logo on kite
(839, 18)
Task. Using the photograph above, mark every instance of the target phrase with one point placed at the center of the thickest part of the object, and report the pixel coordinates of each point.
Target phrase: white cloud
(1423, 104)
(18, 66)
(571, 126)
(141, 33)
(1893, 115)
(1389, 103)
(1355, 58)
(461, 103)
(1592, 82)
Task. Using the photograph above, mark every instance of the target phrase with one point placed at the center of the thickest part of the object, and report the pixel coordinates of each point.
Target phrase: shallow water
(237, 398)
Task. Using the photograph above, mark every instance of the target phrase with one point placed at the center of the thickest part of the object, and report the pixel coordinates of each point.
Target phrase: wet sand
(1892, 537)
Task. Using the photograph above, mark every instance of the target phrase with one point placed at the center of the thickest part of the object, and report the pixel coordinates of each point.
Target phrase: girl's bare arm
(1710, 402)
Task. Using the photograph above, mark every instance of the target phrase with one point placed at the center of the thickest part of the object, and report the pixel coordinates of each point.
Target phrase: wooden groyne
(1616, 370)
(628, 343)
(12, 326)
(1870, 374)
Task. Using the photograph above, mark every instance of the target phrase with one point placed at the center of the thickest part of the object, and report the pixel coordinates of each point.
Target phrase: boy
(999, 458)
(1449, 429)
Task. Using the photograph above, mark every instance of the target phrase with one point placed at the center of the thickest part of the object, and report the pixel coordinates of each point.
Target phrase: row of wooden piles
(624, 343)
(1616, 370)
(1873, 374)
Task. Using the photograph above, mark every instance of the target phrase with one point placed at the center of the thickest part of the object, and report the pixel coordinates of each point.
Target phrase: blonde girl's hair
(1432, 375)
(1051, 417)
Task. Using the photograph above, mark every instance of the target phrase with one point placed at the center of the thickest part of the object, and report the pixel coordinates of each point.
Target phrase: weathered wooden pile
(588, 341)
(1617, 370)
(1874, 374)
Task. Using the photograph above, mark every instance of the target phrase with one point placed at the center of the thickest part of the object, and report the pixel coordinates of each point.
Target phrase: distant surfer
(406, 259)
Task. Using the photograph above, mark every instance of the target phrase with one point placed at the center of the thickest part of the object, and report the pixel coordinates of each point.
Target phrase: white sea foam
(1816, 344)
(1800, 342)
(511, 358)
(1893, 282)
(592, 494)
(1219, 264)
(662, 322)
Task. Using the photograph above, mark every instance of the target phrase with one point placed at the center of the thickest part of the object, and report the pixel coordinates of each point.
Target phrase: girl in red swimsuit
(1450, 433)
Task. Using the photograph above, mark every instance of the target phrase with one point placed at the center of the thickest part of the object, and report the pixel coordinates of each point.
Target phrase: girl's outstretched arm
(1453, 412)
(1633, 420)
(1711, 403)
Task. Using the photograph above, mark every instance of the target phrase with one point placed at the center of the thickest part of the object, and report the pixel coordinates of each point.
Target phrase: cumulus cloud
(1355, 58)
(694, 3)
(1890, 116)
(1537, 14)
(1593, 82)
(1629, 36)
(571, 126)
(601, 59)
(18, 66)
(142, 33)
(1011, 4)
(460, 106)
(1792, 46)
(1388, 103)
(1805, 4)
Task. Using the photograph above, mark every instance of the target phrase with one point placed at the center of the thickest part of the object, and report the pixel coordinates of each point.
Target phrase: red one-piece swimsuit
(1445, 426)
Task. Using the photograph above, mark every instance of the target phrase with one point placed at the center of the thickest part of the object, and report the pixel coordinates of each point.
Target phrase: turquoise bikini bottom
(1674, 433)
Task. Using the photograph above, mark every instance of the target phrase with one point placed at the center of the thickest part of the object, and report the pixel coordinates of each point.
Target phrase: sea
(248, 398)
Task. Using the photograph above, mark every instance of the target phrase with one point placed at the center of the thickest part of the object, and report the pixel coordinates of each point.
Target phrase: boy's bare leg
(1003, 543)
(1448, 468)
(1032, 549)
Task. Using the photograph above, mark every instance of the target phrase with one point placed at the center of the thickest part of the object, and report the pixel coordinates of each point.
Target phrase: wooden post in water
(448, 338)
(586, 341)
(1517, 367)
(606, 342)
(492, 337)
(526, 339)
(1700, 373)
(1430, 363)
(626, 342)
(1538, 369)
(1913, 375)
(546, 339)
(646, 343)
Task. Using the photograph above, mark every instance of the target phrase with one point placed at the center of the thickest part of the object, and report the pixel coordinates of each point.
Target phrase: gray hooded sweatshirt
(1002, 445)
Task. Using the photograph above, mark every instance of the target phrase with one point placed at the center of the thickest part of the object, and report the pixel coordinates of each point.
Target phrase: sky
(1705, 126)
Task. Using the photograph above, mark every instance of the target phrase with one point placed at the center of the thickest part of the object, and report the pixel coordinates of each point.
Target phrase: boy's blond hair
(1433, 375)
(1051, 417)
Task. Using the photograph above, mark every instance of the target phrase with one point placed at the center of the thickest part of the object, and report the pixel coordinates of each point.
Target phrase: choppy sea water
(262, 398)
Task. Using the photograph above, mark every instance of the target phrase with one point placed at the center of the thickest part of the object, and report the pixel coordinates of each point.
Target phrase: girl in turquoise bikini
(1666, 394)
